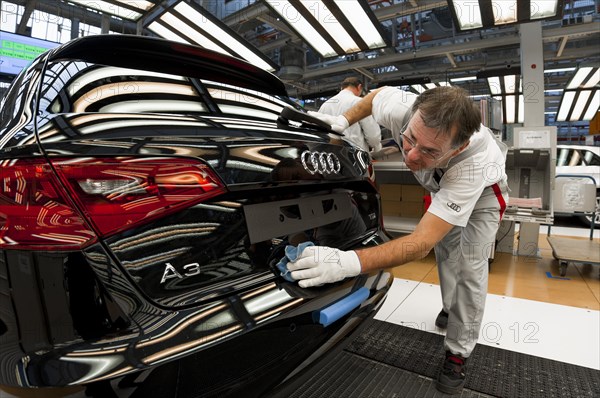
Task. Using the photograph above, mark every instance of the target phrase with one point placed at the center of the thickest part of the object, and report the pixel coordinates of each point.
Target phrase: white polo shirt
(366, 133)
(456, 188)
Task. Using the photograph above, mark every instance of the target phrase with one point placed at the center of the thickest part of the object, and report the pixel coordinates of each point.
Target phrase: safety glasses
(428, 153)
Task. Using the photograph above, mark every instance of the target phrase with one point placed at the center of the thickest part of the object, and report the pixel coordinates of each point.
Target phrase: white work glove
(337, 123)
(317, 265)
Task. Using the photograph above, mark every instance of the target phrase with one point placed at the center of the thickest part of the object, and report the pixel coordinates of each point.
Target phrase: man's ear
(462, 147)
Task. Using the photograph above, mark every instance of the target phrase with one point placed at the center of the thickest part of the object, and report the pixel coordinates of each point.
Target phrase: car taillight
(35, 212)
(118, 194)
(115, 194)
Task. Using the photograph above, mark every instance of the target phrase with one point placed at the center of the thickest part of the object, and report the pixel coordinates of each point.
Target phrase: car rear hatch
(193, 182)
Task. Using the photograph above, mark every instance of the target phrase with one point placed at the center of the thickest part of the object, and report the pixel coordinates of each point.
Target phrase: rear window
(83, 87)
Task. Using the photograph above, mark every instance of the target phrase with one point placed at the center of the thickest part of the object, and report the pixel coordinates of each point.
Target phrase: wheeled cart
(569, 250)
(574, 194)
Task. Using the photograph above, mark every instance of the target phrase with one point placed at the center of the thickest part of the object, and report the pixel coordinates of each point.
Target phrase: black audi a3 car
(148, 190)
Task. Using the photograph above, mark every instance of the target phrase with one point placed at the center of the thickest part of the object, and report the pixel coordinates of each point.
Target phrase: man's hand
(337, 123)
(317, 265)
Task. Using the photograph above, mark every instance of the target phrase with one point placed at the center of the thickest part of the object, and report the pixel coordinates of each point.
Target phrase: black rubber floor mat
(351, 376)
(491, 370)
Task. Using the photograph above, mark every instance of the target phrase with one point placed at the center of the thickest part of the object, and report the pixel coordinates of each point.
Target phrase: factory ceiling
(422, 42)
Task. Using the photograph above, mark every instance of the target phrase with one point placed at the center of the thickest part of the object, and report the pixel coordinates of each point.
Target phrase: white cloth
(462, 195)
(366, 133)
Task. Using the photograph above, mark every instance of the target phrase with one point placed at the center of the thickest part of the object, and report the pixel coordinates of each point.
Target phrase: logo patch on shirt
(453, 206)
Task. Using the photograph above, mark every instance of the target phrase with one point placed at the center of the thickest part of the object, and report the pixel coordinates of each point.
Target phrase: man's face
(424, 147)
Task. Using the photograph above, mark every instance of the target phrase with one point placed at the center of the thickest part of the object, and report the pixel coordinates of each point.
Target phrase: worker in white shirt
(462, 165)
(366, 133)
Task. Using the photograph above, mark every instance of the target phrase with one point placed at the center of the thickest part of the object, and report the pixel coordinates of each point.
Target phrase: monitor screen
(17, 51)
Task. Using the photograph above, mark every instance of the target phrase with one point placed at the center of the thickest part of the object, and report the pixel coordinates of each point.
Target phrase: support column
(105, 24)
(532, 73)
(74, 28)
(22, 27)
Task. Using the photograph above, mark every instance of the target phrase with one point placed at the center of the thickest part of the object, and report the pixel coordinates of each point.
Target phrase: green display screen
(17, 51)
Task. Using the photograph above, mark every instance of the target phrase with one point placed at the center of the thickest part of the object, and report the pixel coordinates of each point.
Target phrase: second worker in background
(366, 133)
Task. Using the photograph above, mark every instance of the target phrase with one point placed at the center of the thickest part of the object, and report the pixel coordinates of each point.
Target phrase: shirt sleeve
(456, 199)
(390, 105)
(372, 132)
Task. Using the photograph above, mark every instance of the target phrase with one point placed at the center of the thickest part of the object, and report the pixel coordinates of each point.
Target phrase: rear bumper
(261, 336)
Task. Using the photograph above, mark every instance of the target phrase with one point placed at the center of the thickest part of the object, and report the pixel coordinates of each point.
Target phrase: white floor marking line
(399, 291)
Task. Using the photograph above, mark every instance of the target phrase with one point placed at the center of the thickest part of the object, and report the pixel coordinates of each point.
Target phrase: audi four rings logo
(320, 162)
(454, 206)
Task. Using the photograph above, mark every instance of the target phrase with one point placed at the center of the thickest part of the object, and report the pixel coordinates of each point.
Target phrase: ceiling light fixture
(506, 85)
(581, 98)
(332, 27)
(482, 14)
(131, 10)
(192, 24)
(420, 88)
(559, 70)
(463, 79)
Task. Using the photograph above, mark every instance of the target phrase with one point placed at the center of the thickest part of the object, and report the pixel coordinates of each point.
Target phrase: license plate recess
(281, 218)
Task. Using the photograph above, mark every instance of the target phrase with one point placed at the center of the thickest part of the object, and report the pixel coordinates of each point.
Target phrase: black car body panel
(149, 189)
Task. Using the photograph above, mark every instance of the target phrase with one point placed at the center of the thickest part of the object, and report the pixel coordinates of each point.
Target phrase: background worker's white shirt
(366, 133)
(456, 188)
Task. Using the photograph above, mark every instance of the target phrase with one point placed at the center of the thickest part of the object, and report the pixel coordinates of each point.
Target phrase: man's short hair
(351, 81)
(444, 108)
